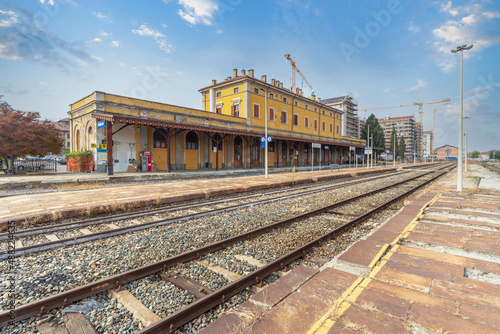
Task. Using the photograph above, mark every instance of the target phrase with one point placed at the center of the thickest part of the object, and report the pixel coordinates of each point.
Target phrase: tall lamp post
(461, 124)
(466, 157)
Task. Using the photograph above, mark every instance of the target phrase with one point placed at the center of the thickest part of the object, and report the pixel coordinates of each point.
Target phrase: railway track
(492, 168)
(184, 315)
(78, 232)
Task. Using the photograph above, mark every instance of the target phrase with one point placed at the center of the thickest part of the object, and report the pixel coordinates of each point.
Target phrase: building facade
(427, 140)
(226, 133)
(405, 126)
(351, 124)
(447, 152)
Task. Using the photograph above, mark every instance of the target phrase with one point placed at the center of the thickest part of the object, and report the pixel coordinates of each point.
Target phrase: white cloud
(103, 33)
(8, 18)
(198, 11)
(102, 17)
(466, 28)
(447, 9)
(160, 39)
(413, 28)
(50, 2)
(420, 84)
(115, 43)
(471, 19)
(492, 15)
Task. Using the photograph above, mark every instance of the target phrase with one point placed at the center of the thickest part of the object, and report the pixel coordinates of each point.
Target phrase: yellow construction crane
(295, 68)
(434, 127)
(420, 105)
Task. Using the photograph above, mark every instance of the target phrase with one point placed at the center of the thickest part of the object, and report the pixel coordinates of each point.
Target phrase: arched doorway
(192, 151)
(90, 137)
(295, 154)
(217, 152)
(255, 154)
(78, 147)
(160, 149)
(238, 152)
(284, 153)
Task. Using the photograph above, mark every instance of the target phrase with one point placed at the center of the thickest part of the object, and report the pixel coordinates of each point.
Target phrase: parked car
(62, 160)
(30, 164)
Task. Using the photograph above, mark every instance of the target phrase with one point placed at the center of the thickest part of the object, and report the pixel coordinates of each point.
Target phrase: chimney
(277, 83)
(264, 78)
(281, 85)
(297, 89)
(313, 97)
(250, 73)
(243, 72)
(273, 82)
(214, 82)
(235, 73)
(319, 99)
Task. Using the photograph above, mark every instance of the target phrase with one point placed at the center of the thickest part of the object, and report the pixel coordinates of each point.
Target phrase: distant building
(63, 127)
(351, 124)
(405, 126)
(427, 139)
(484, 156)
(447, 152)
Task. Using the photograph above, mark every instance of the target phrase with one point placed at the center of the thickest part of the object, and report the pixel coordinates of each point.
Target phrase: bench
(334, 166)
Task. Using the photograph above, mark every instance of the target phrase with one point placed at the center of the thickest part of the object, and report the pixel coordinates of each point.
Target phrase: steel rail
(66, 297)
(141, 213)
(24, 251)
(175, 320)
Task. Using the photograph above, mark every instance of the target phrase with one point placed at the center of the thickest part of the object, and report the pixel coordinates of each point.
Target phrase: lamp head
(454, 50)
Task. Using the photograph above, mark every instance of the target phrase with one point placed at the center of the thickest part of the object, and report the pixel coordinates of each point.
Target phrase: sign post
(313, 146)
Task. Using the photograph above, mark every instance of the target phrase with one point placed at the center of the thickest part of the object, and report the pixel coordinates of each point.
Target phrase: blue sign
(269, 139)
(263, 144)
(327, 147)
(360, 156)
(262, 139)
(101, 124)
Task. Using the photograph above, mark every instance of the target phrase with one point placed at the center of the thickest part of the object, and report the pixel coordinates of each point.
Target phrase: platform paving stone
(393, 306)
(422, 272)
(422, 263)
(492, 267)
(447, 322)
(404, 279)
(480, 315)
(362, 252)
(369, 322)
(436, 256)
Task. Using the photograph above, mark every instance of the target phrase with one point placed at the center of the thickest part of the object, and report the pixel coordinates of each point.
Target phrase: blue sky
(54, 52)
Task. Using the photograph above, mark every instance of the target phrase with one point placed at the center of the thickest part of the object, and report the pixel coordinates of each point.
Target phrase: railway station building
(225, 133)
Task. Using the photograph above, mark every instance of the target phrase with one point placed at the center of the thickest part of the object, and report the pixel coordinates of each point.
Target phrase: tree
(401, 147)
(375, 130)
(394, 141)
(475, 154)
(23, 133)
(495, 154)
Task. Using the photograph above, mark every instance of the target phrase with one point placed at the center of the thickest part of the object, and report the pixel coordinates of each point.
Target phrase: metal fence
(35, 165)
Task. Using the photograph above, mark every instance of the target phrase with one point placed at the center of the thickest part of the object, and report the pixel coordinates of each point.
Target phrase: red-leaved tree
(23, 133)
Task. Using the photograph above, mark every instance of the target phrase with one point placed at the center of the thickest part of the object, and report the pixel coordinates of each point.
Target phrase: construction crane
(434, 126)
(420, 105)
(295, 68)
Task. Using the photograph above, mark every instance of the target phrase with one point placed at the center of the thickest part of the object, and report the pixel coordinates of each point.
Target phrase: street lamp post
(466, 157)
(461, 125)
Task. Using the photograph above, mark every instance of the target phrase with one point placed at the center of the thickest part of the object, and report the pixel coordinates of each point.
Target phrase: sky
(384, 53)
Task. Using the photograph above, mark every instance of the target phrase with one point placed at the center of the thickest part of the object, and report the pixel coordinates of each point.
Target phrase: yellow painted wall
(191, 159)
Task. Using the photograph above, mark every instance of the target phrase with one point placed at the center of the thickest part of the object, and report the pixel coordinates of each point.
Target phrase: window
(331, 127)
(323, 112)
(315, 109)
(284, 99)
(306, 122)
(295, 120)
(271, 114)
(296, 104)
(271, 95)
(219, 94)
(191, 141)
(236, 90)
(235, 110)
(307, 107)
(323, 126)
(218, 110)
(330, 114)
(315, 124)
(256, 90)
(159, 139)
(256, 111)
(283, 117)
(338, 129)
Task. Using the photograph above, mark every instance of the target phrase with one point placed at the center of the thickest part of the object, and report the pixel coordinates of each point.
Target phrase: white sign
(352, 148)
(316, 145)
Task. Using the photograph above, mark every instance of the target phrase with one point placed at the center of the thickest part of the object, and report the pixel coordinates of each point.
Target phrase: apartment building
(405, 126)
(427, 140)
(351, 124)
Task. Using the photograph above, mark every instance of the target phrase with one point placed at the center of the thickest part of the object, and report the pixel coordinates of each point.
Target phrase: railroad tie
(52, 237)
(134, 306)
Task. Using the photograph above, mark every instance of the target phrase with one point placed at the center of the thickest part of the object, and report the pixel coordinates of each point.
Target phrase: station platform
(111, 198)
(434, 267)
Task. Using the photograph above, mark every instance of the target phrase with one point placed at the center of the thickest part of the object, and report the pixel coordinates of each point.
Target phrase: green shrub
(79, 154)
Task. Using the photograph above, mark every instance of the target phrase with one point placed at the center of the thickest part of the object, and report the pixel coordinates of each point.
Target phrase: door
(216, 149)
(284, 154)
(192, 151)
(255, 153)
(238, 152)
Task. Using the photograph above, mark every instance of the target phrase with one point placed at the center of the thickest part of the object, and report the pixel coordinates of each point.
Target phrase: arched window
(159, 139)
(191, 141)
(90, 137)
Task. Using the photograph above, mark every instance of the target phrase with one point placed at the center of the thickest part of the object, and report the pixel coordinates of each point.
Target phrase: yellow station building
(226, 133)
